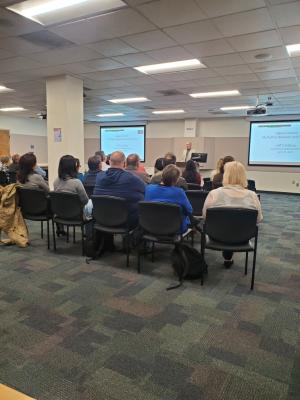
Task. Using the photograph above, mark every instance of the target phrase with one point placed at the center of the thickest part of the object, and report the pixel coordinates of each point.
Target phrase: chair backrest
(110, 211)
(66, 205)
(207, 185)
(206, 179)
(193, 186)
(197, 199)
(12, 177)
(3, 178)
(251, 185)
(33, 202)
(231, 225)
(159, 219)
(89, 190)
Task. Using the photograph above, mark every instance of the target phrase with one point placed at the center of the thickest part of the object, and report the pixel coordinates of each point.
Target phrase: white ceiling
(225, 35)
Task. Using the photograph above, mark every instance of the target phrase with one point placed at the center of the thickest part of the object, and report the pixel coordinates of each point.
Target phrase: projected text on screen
(275, 143)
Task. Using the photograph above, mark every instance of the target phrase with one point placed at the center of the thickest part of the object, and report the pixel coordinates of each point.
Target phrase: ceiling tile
(223, 60)
(276, 53)
(19, 46)
(107, 26)
(274, 2)
(246, 22)
(103, 64)
(242, 78)
(209, 48)
(17, 64)
(291, 34)
(216, 8)
(254, 41)
(296, 62)
(65, 56)
(232, 70)
(165, 13)
(13, 24)
(112, 47)
(5, 54)
(170, 54)
(271, 65)
(286, 14)
(149, 40)
(194, 32)
(121, 73)
(134, 60)
(286, 73)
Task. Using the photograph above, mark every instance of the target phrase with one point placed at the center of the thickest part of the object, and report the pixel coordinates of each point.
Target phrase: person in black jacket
(120, 183)
(94, 164)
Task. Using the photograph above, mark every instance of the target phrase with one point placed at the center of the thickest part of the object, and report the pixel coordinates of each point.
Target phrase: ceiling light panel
(4, 89)
(174, 66)
(293, 49)
(57, 11)
(235, 108)
(130, 100)
(110, 115)
(8, 109)
(162, 112)
(224, 93)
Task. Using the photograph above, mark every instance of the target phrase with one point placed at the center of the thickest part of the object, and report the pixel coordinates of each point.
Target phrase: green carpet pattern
(72, 331)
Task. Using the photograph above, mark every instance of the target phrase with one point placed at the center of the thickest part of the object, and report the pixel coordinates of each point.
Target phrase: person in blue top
(168, 192)
(117, 182)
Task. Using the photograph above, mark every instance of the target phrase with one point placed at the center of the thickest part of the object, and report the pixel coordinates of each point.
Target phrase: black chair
(3, 178)
(197, 199)
(194, 186)
(230, 229)
(159, 223)
(12, 177)
(111, 216)
(251, 185)
(35, 206)
(207, 186)
(89, 190)
(67, 210)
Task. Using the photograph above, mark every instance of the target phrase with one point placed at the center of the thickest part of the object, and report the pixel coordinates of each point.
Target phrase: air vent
(47, 39)
(148, 108)
(171, 92)
(217, 112)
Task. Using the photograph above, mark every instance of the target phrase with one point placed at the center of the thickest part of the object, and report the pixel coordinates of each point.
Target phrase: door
(4, 142)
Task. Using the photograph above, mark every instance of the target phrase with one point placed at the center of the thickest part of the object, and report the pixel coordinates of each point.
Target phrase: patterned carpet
(71, 331)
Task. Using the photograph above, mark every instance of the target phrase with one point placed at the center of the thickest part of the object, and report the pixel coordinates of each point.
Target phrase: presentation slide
(274, 143)
(129, 139)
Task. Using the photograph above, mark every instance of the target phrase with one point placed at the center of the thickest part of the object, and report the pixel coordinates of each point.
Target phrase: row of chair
(7, 177)
(224, 229)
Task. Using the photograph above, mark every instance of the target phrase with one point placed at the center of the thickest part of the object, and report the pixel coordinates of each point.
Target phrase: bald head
(117, 159)
(133, 160)
(188, 145)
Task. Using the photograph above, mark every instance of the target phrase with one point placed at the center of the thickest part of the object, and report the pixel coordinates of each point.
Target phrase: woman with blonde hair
(234, 194)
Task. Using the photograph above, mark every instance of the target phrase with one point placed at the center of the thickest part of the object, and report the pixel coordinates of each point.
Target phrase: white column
(64, 121)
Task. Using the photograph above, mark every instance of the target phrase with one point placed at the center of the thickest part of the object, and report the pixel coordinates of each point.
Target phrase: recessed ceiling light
(293, 49)
(47, 12)
(170, 66)
(12, 109)
(110, 115)
(263, 56)
(223, 93)
(5, 89)
(168, 112)
(233, 108)
(130, 100)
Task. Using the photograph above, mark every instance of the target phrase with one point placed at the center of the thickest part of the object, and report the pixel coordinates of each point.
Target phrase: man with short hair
(169, 159)
(120, 183)
(14, 166)
(94, 164)
(132, 166)
(187, 152)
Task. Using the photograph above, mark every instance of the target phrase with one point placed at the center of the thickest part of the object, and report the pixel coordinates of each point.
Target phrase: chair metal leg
(152, 252)
(82, 239)
(139, 256)
(192, 235)
(53, 232)
(246, 263)
(127, 251)
(254, 263)
(68, 233)
(48, 235)
(73, 234)
(42, 230)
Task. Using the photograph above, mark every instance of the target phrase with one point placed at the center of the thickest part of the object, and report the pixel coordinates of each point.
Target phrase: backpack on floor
(187, 263)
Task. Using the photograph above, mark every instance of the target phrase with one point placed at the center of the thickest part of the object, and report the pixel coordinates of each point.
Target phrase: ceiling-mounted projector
(258, 110)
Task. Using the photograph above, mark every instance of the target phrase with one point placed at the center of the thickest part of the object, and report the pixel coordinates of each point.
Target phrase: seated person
(190, 173)
(159, 165)
(78, 166)
(94, 164)
(14, 166)
(167, 192)
(4, 162)
(234, 194)
(67, 180)
(27, 176)
(218, 177)
(101, 154)
(218, 168)
(133, 165)
(120, 183)
(169, 159)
